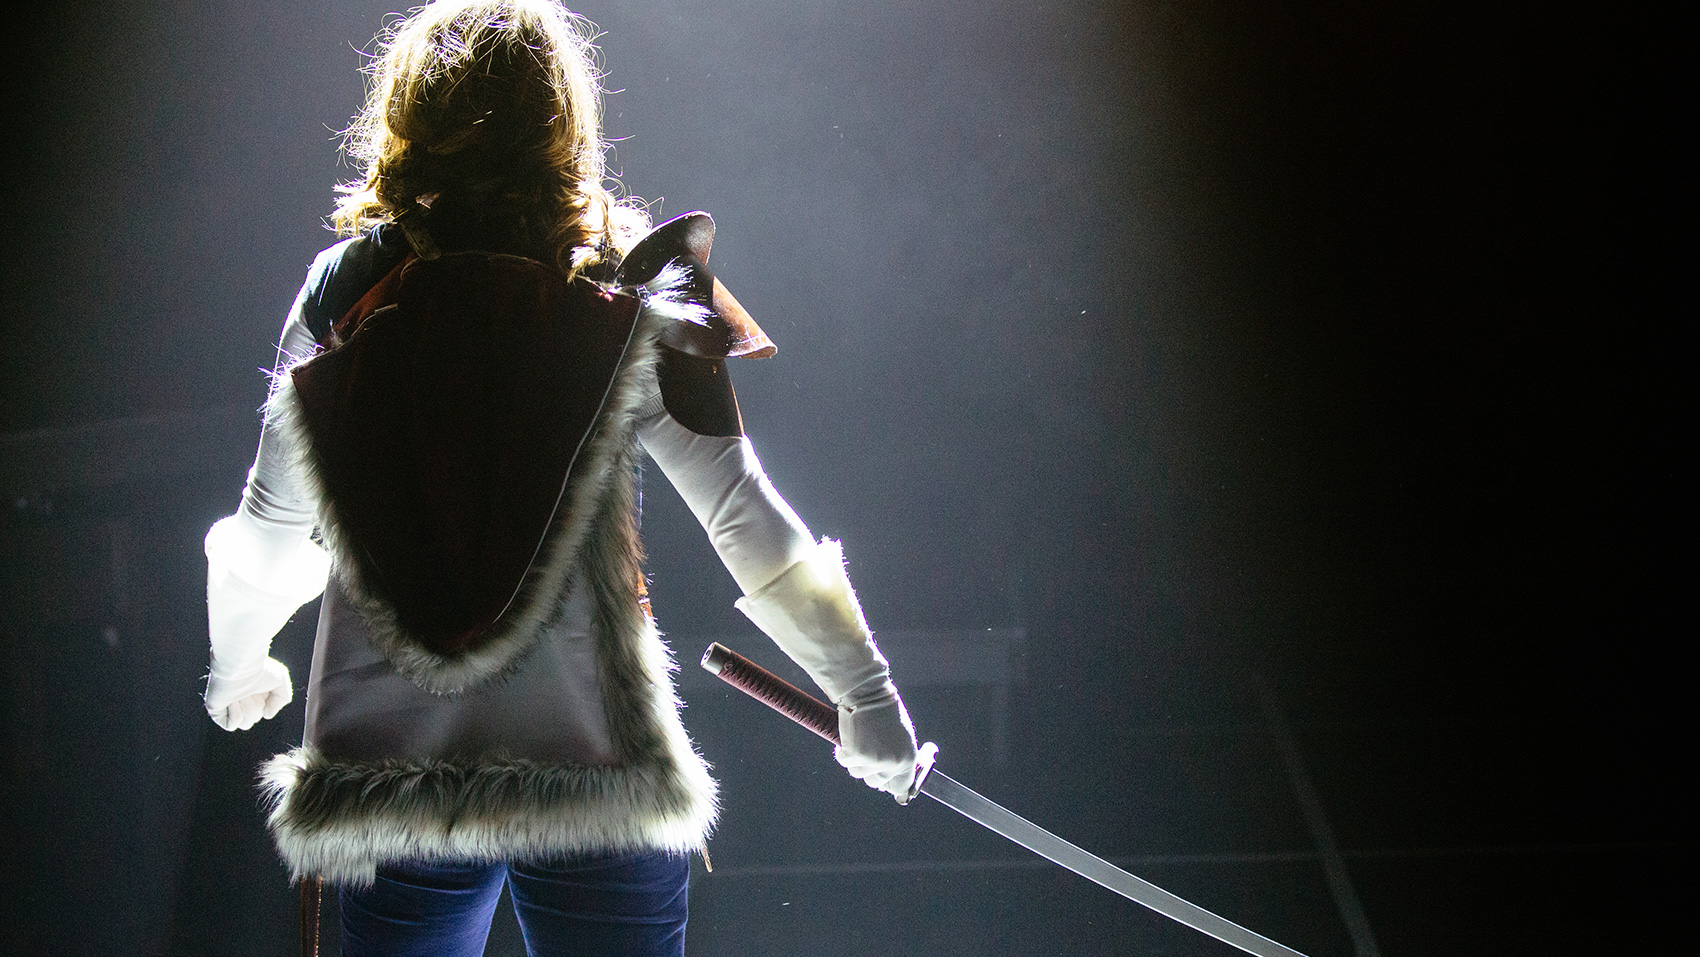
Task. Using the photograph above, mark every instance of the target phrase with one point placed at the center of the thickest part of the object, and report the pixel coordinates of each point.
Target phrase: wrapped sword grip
(772, 690)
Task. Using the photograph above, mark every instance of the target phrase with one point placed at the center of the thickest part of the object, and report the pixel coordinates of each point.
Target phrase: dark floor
(1447, 833)
(1495, 844)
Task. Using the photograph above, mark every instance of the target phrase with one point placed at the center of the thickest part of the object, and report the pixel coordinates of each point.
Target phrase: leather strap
(381, 294)
(312, 889)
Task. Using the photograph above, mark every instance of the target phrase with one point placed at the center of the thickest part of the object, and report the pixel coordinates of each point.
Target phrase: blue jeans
(630, 905)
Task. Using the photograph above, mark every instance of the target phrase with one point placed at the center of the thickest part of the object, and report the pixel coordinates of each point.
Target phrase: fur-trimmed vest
(481, 690)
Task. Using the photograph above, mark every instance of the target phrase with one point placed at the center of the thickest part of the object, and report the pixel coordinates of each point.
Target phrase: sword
(822, 718)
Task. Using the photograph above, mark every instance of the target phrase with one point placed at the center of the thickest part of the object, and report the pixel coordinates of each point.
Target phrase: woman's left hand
(878, 739)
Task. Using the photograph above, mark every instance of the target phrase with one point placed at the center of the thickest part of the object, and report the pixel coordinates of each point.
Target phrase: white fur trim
(340, 820)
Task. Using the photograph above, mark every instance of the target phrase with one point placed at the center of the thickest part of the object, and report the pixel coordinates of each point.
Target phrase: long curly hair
(496, 102)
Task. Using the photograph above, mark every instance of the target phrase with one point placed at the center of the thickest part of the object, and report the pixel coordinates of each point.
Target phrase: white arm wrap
(812, 614)
(256, 578)
(795, 589)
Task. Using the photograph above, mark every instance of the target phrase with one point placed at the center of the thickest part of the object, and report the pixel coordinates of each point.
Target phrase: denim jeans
(606, 905)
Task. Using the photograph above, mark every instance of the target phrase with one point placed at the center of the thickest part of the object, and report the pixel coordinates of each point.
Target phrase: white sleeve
(795, 589)
(261, 562)
(755, 532)
(276, 498)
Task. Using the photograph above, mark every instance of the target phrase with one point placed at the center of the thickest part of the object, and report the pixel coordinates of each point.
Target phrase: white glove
(879, 739)
(236, 702)
(244, 684)
(811, 612)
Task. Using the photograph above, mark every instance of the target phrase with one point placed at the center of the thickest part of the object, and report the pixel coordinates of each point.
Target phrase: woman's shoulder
(341, 274)
(379, 242)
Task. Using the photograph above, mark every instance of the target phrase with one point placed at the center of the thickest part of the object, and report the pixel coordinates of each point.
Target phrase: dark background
(1298, 383)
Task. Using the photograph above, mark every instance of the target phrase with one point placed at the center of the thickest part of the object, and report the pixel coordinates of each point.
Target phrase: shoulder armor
(730, 332)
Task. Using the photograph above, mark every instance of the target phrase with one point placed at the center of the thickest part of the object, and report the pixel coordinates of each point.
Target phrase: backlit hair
(495, 98)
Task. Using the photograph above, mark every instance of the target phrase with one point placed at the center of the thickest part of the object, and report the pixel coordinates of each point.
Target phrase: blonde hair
(499, 95)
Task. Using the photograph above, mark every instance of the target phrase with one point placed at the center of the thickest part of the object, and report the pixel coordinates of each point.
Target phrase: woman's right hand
(237, 702)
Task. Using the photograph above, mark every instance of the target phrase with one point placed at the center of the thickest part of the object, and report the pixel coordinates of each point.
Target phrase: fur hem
(339, 821)
(542, 594)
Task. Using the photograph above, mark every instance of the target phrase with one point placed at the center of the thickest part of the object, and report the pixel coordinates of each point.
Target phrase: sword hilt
(772, 690)
(795, 703)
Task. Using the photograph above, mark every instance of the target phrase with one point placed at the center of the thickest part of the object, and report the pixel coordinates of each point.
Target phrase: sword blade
(822, 719)
(947, 791)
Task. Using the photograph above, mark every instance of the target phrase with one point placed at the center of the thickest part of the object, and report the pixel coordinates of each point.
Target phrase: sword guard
(924, 759)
